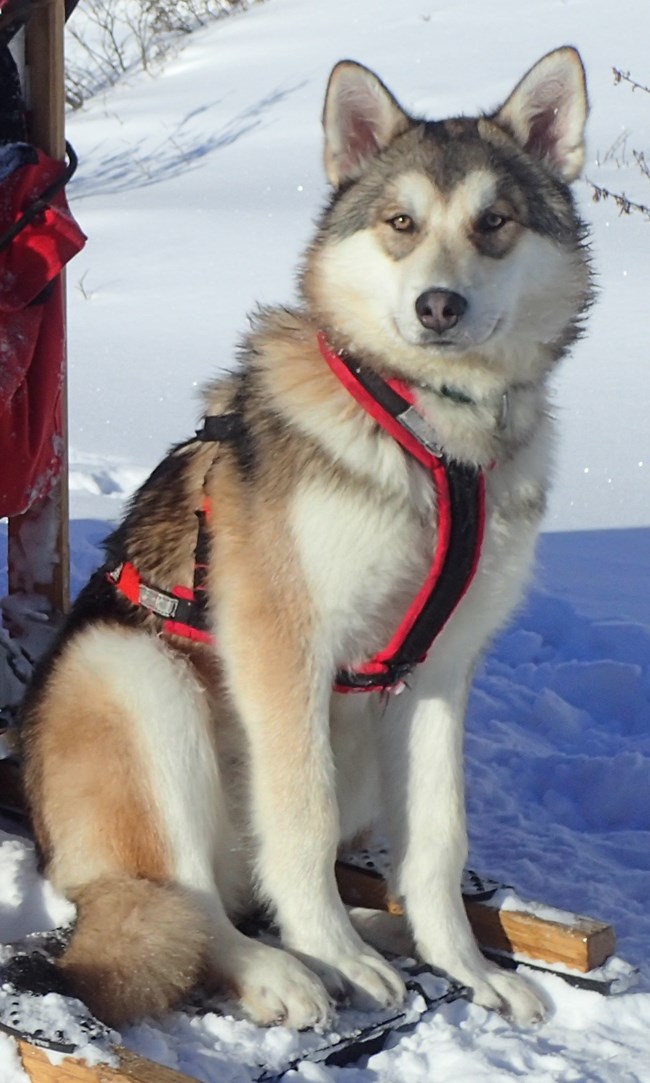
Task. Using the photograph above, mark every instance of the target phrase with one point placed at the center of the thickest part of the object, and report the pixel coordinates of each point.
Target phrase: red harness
(183, 609)
(460, 511)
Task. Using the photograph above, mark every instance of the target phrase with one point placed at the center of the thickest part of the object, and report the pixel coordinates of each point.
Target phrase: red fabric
(129, 583)
(175, 628)
(32, 336)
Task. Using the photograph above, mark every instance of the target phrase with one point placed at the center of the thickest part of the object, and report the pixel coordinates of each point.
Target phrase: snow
(197, 187)
(12, 1070)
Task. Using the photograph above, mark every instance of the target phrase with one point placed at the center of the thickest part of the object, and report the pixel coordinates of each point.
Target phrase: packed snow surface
(197, 187)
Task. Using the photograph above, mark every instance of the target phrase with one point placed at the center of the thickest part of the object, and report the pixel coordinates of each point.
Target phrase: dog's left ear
(360, 118)
(547, 112)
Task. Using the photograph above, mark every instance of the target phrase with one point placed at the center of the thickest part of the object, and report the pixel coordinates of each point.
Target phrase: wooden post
(46, 522)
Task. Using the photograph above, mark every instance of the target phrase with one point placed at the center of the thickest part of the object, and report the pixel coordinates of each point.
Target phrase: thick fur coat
(175, 785)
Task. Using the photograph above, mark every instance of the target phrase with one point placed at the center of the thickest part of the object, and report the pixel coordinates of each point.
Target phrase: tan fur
(86, 758)
(264, 618)
(137, 948)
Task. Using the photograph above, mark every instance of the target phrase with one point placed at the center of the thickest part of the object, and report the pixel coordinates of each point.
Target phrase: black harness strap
(220, 428)
(465, 492)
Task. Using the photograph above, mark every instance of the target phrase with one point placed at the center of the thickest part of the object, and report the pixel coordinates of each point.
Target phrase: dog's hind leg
(206, 851)
(125, 782)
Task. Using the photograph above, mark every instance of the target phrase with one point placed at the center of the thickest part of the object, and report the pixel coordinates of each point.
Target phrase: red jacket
(37, 238)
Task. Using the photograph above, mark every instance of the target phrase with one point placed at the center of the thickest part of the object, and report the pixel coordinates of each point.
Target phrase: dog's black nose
(440, 310)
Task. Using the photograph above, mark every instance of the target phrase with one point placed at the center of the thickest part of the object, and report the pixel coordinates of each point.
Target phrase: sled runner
(578, 949)
(29, 976)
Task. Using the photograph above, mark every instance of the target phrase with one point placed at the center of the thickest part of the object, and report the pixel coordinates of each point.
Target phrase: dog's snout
(439, 310)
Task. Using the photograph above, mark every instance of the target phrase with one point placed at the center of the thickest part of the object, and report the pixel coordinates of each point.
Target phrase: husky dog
(180, 777)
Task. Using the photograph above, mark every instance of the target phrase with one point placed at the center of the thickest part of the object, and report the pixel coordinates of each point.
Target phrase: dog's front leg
(281, 689)
(422, 756)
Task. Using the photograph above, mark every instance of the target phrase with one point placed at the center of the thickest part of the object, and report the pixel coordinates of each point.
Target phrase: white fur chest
(363, 558)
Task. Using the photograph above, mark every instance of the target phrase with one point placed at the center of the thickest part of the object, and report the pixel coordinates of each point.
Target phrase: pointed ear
(360, 118)
(547, 111)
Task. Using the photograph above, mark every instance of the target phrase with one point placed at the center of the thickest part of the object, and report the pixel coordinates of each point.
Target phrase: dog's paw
(275, 988)
(360, 978)
(511, 995)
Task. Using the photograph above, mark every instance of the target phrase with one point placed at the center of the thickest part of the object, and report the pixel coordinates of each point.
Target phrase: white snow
(197, 187)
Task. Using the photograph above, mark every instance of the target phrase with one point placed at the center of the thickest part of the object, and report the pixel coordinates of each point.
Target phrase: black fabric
(14, 156)
(231, 428)
(464, 482)
(222, 427)
(13, 127)
(201, 561)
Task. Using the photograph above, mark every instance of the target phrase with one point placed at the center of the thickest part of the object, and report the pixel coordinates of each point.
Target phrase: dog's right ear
(360, 118)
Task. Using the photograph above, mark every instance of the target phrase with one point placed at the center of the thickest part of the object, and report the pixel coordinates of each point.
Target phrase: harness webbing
(459, 504)
(460, 510)
(184, 609)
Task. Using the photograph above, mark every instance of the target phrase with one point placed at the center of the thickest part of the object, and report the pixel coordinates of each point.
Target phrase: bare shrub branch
(625, 205)
(625, 77)
(112, 37)
(618, 154)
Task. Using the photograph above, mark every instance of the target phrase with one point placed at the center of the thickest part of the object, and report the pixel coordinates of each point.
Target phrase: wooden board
(583, 944)
(132, 1069)
(578, 942)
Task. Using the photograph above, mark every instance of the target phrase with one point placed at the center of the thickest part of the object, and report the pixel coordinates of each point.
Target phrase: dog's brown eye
(491, 221)
(402, 223)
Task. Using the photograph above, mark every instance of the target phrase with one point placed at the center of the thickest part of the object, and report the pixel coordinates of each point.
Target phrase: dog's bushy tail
(136, 949)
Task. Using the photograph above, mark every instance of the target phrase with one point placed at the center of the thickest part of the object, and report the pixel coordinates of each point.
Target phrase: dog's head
(456, 241)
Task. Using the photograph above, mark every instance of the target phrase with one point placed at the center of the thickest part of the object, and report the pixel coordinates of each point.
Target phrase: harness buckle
(158, 602)
(419, 427)
(392, 678)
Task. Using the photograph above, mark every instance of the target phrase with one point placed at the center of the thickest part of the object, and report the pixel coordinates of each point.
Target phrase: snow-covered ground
(197, 187)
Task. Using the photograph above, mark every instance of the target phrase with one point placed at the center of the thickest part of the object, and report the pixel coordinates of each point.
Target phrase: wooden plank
(48, 518)
(131, 1069)
(580, 943)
